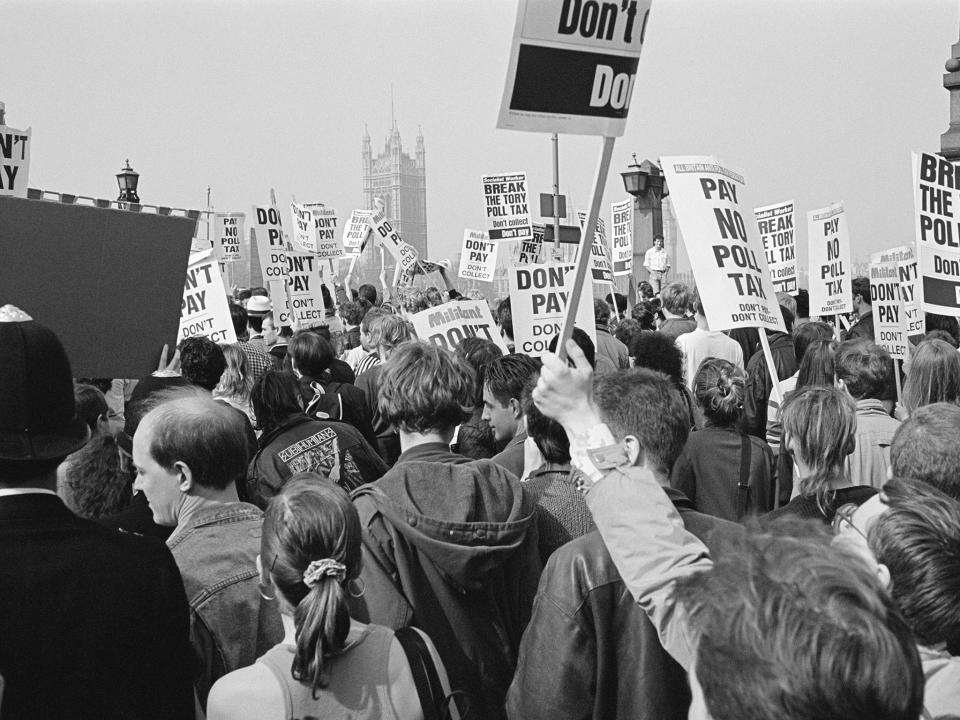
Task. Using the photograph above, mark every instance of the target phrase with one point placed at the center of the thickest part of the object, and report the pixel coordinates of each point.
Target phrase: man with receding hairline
(189, 452)
(927, 447)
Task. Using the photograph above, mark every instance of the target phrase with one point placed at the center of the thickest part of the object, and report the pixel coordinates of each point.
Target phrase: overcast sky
(817, 101)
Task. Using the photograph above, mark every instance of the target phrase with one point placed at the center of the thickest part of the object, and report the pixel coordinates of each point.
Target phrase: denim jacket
(230, 623)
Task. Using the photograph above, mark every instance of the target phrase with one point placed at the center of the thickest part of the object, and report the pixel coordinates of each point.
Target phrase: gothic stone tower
(401, 182)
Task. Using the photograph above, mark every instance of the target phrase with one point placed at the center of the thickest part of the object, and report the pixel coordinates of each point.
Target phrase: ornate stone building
(401, 182)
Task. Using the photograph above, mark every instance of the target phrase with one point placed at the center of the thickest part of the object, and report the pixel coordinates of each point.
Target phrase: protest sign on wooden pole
(829, 243)
(936, 187)
(556, 194)
(731, 271)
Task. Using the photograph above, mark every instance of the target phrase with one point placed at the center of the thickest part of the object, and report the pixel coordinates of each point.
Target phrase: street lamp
(644, 177)
(645, 182)
(127, 179)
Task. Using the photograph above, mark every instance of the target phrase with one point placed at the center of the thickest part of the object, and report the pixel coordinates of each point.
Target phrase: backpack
(326, 403)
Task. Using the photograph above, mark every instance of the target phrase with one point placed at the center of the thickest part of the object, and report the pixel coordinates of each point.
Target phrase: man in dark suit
(93, 622)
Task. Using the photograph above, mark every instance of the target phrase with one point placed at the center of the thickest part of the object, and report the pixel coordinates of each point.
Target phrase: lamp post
(128, 179)
(645, 182)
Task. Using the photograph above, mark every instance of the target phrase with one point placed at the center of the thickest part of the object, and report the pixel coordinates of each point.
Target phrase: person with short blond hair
(448, 542)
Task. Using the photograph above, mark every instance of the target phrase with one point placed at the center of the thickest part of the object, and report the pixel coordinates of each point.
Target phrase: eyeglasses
(844, 516)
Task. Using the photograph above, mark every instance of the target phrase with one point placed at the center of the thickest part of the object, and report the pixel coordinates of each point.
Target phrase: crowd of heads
(792, 621)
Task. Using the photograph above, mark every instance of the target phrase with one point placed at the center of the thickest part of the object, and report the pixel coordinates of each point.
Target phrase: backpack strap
(424, 671)
(743, 486)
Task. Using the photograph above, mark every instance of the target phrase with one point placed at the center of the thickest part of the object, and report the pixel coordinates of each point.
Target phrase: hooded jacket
(450, 547)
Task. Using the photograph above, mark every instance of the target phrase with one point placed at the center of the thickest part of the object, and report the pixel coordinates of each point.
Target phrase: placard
(889, 316)
(776, 226)
(531, 250)
(303, 288)
(573, 65)
(829, 241)
(325, 226)
(304, 228)
(448, 324)
(906, 259)
(729, 266)
(204, 310)
(478, 258)
(600, 267)
(356, 231)
(621, 225)
(14, 161)
(935, 185)
(506, 206)
(53, 268)
(228, 236)
(280, 302)
(271, 247)
(538, 302)
(404, 253)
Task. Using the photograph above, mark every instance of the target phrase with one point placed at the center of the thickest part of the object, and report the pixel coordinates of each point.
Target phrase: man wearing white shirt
(657, 263)
(703, 343)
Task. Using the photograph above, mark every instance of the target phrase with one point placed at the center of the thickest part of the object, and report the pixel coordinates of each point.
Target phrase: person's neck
(702, 323)
(410, 440)
(201, 498)
(669, 315)
(864, 310)
(290, 627)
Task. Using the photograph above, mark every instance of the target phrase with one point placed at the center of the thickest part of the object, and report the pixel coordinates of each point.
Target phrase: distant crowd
(348, 521)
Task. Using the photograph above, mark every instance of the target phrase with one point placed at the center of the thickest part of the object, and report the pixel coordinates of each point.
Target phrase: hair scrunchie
(319, 569)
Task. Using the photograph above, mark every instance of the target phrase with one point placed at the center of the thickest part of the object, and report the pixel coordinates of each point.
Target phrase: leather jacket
(589, 650)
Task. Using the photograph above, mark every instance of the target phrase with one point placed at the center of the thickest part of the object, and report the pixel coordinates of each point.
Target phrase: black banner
(941, 292)
(551, 80)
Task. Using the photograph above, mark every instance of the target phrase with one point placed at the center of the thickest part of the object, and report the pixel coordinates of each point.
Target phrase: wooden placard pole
(583, 262)
(613, 296)
(896, 377)
(771, 368)
(555, 139)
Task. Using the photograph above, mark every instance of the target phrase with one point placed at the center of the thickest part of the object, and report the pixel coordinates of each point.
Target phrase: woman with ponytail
(328, 665)
(722, 470)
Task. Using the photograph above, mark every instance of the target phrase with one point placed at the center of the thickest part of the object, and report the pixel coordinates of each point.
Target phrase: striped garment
(366, 363)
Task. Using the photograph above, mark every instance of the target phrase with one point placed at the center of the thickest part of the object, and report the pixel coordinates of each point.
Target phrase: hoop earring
(262, 587)
(359, 593)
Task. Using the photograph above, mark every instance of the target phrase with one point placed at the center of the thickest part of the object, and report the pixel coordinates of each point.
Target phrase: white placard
(935, 190)
(280, 302)
(478, 258)
(228, 236)
(572, 66)
(448, 324)
(14, 161)
(889, 317)
(506, 207)
(729, 265)
(304, 229)
(303, 286)
(356, 231)
(271, 247)
(600, 267)
(621, 238)
(403, 252)
(776, 226)
(830, 275)
(325, 226)
(531, 250)
(204, 309)
(538, 302)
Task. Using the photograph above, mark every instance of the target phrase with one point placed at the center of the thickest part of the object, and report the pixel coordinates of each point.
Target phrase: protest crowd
(347, 521)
